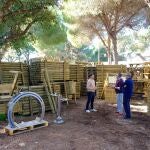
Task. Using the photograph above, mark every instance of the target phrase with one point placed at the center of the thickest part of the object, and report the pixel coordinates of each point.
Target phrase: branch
(7, 5)
(100, 36)
(15, 36)
(22, 11)
(130, 17)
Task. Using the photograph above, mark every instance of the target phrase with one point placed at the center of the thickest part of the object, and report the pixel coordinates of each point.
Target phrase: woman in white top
(91, 88)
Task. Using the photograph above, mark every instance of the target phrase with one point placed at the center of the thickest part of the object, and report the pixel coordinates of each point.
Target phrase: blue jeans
(126, 104)
(120, 102)
(90, 100)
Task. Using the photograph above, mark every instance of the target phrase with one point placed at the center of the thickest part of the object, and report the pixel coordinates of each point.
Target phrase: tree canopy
(23, 21)
(106, 19)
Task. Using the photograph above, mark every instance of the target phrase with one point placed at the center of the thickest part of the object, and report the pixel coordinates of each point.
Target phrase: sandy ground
(102, 130)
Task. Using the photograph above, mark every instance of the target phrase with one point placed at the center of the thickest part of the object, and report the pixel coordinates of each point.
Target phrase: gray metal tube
(15, 99)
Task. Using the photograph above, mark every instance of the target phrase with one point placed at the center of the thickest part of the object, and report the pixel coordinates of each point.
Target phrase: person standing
(119, 91)
(91, 89)
(128, 91)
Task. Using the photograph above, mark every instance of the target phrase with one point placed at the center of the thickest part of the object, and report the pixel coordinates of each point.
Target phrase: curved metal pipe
(15, 99)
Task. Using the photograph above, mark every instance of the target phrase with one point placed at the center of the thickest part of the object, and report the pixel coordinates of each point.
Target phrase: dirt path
(103, 130)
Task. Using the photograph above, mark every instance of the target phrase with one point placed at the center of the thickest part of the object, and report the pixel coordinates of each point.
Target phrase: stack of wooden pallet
(30, 105)
(146, 79)
(78, 90)
(83, 89)
(4, 107)
(76, 72)
(89, 70)
(147, 71)
(7, 76)
(99, 91)
(57, 71)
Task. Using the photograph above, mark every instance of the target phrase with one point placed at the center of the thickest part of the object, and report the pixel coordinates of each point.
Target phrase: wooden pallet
(25, 127)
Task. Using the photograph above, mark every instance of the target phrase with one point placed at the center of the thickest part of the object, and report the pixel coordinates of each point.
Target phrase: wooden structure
(76, 72)
(29, 126)
(6, 75)
(60, 74)
(6, 93)
(102, 71)
(109, 91)
(58, 71)
(70, 90)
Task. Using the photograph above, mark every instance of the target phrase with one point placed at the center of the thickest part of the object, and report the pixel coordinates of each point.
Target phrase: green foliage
(91, 54)
(28, 22)
(134, 41)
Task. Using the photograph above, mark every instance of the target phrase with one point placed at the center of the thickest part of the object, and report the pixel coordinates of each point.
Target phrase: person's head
(119, 75)
(91, 76)
(128, 75)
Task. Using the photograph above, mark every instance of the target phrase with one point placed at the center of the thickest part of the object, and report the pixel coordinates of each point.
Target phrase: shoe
(87, 111)
(93, 110)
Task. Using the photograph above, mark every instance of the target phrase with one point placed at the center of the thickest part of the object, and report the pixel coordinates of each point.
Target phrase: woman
(119, 91)
(91, 88)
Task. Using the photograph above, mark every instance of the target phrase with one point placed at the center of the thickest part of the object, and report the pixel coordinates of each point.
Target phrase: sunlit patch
(2, 131)
(135, 108)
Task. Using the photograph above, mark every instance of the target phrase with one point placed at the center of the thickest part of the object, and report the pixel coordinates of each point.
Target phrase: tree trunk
(109, 56)
(1, 56)
(109, 51)
(115, 52)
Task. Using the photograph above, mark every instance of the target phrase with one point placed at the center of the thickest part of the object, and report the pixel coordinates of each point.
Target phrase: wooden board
(25, 127)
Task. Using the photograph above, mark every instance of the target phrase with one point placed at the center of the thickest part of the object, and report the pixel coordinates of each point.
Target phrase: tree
(18, 16)
(136, 41)
(109, 17)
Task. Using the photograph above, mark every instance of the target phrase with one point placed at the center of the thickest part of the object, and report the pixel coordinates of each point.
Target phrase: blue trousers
(120, 103)
(126, 105)
(90, 100)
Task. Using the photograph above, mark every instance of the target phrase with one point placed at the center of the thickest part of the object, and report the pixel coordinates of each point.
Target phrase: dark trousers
(90, 100)
(126, 105)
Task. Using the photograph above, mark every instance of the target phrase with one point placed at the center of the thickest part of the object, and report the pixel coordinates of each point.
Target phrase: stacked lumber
(88, 70)
(78, 89)
(76, 72)
(99, 91)
(4, 107)
(148, 97)
(83, 89)
(7, 76)
(29, 105)
(103, 70)
(137, 71)
(147, 70)
(57, 71)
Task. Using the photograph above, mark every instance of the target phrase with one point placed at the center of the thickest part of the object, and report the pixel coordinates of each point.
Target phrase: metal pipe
(15, 99)
(59, 119)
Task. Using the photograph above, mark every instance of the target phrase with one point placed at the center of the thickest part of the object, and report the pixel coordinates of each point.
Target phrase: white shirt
(91, 85)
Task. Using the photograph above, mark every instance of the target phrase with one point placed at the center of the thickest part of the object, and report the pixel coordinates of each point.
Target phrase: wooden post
(22, 73)
(148, 98)
(49, 87)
